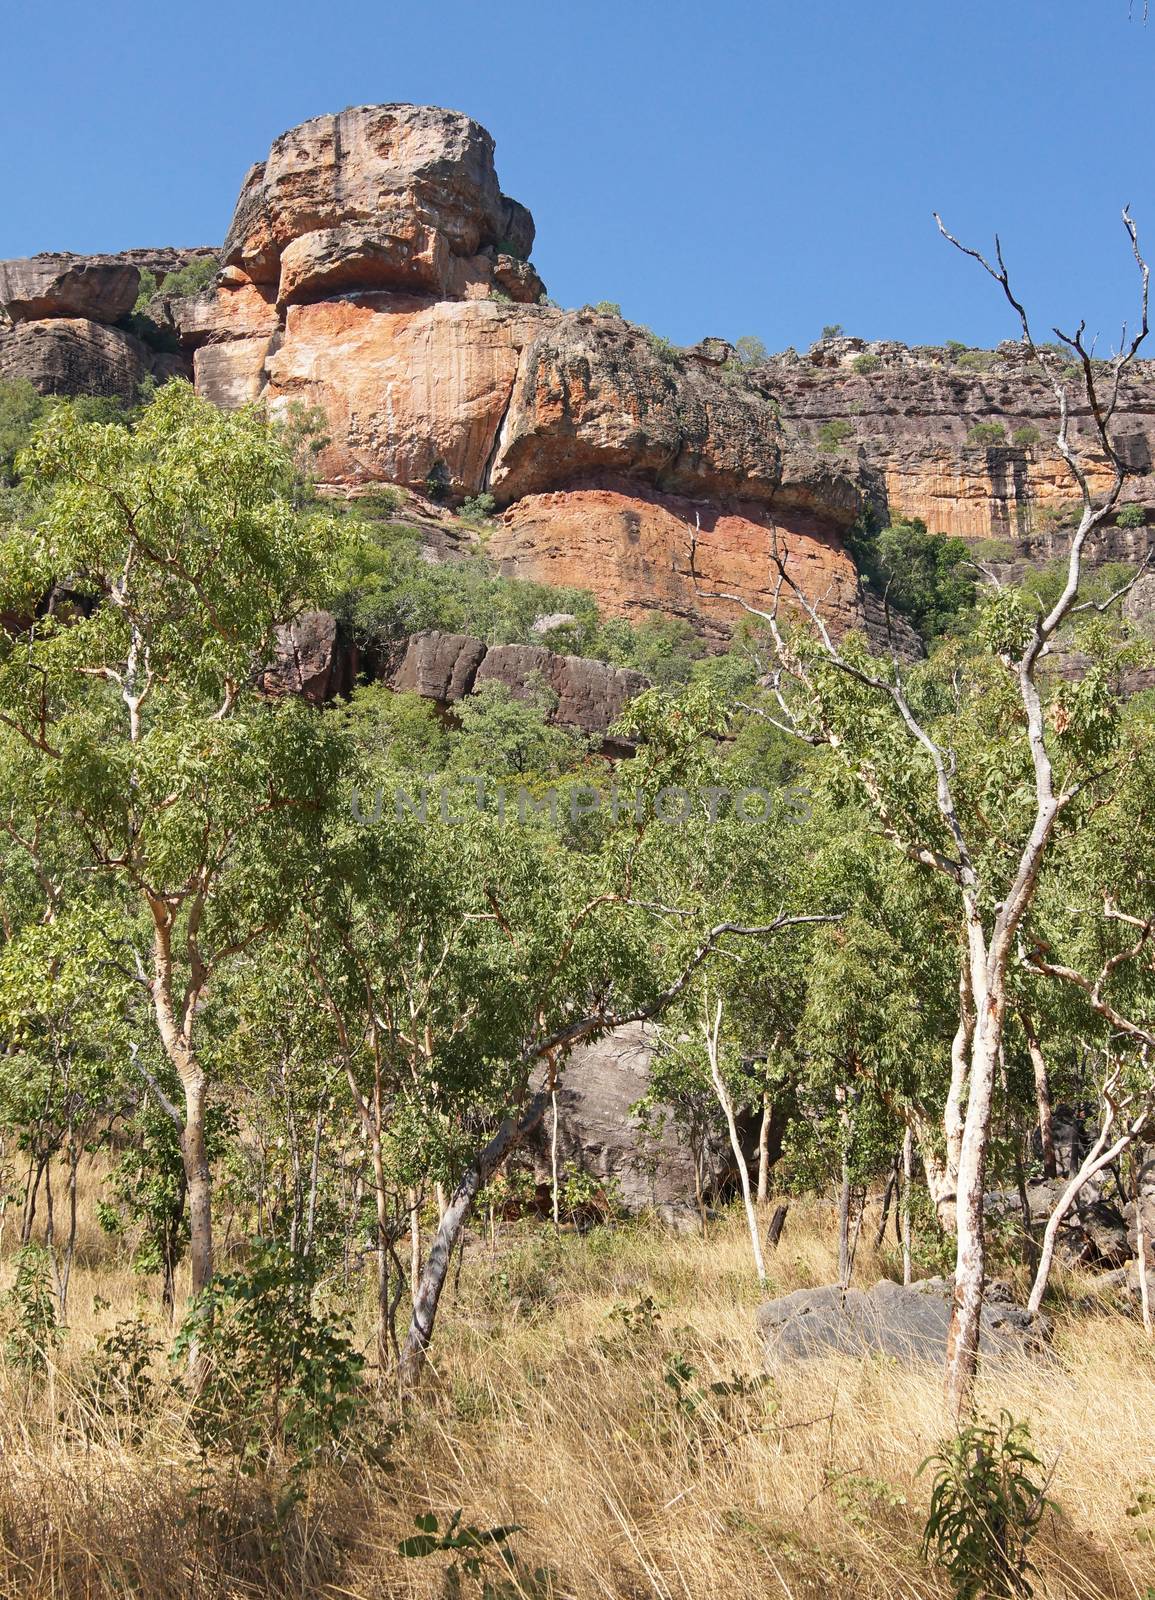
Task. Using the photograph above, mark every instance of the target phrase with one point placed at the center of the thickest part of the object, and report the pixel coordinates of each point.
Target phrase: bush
(833, 435)
(477, 508)
(1025, 437)
(866, 362)
(33, 1331)
(21, 408)
(985, 1508)
(664, 349)
(955, 348)
(832, 330)
(975, 360)
(276, 1373)
(1131, 516)
(987, 433)
(191, 279)
(750, 351)
(608, 308)
(924, 575)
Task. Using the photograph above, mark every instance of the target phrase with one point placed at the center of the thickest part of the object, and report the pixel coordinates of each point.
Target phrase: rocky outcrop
(909, 1325)
(71, 356)
(63, 332)
(641, 1168)
(311, 660)
(910, 416)
(392, 196)
(641, 553)
(584, 694)
(98, 288)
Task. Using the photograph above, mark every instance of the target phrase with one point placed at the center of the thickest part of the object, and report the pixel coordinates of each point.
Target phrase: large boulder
(643, 1168)
(311, 660)
(99, 288)
(377, 196)
(73, 356)
(909, 1325)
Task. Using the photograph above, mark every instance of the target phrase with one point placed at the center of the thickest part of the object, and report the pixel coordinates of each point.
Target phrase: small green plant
(987, 433)
(749, 351)
(1131, 516)
(469, 1546)
(506, 247)
(1025, 437)
(664, 349)
(33, 1331)
(477, 508)
(866, 363)
(862, 1497)
(833, 435)
(985, 1508)
(500, 296)
(975, 360)
(276, 1374)
(955, 348)
(608, 308)
(120, 1380)
(832, 330)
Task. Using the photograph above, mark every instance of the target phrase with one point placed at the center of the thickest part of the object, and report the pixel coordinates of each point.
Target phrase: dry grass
(549, 1410)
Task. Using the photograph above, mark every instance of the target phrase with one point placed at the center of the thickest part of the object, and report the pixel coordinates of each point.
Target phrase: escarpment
(376, 281)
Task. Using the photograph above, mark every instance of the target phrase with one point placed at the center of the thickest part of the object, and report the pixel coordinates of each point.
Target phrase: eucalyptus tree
(198, 807)
(974, 774)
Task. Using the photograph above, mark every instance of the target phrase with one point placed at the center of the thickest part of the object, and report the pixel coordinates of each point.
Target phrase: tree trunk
(198, 1180)
(764, 1151)
(724, 1100)
(962, 1350)
(1042, 1097)
(907, 1177)
(887, 1197)
(1141, 1250)
(427, 1296)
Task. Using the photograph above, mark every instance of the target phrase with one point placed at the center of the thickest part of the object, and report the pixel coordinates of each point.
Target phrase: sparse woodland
(284, 1312)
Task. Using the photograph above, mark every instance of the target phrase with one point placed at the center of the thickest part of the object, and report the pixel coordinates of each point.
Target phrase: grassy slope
(548, 1410)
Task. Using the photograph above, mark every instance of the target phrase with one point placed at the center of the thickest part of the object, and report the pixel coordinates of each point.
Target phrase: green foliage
(987, 433)
(749, 351)
(985, 1508)
(189, 279)
(975, 360)
(663, 348)
(510, 735)
(924, 575)
(1025, 437)
(278, 1375)
(478, 508)
(120, 1381)
(30, 1310)
(955, 348)
(866, 363)
(469, 1546)
(1132, 516)
(21, 408)
(608, 308)
(832, 330)
(834, 435)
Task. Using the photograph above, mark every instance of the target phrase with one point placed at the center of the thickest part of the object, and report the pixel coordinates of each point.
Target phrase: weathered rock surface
(910, 417)
(643, 1169)
(71, 356)
(589, 695)
(909, 1325)
(390, 196)
(311, 660)
(633, 547)
(99, 288)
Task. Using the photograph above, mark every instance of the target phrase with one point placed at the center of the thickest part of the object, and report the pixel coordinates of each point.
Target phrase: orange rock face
(409, 387)
(633, 548)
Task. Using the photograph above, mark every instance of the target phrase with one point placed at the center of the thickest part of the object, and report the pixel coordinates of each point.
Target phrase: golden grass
(600, 1435)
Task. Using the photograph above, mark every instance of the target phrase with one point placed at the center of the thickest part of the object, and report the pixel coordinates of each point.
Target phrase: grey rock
(909, 1325)
(310, 660)
(100, 288)
(73, 356)
(439, 666)
(643, 1169)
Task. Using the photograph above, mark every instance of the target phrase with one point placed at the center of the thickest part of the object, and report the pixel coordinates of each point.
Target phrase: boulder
(643, 1169)
(388, 196)
(99, 288)
(73, 356)
(909, 1325)
(446, 667)
(310, 660)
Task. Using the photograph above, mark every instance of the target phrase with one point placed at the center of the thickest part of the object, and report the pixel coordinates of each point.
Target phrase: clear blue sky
(754, 166)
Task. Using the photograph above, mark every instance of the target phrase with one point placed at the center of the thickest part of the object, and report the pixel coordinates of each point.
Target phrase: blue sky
(754, 166)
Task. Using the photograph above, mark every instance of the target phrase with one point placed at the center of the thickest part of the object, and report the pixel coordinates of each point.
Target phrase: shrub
(33, 1331)
(955, 348)
(664, 349)
(608, 308)
(866, 362)
(750, 351)
(832, 330)
(190, 279)
(276, 1373)
(833, 435)
(21, 408)
(477, 508)
(976, 360)
(987, 433)
(924, 575)
(985, 1508)
(1025, 437)
(1131, 516)
(506, 247)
